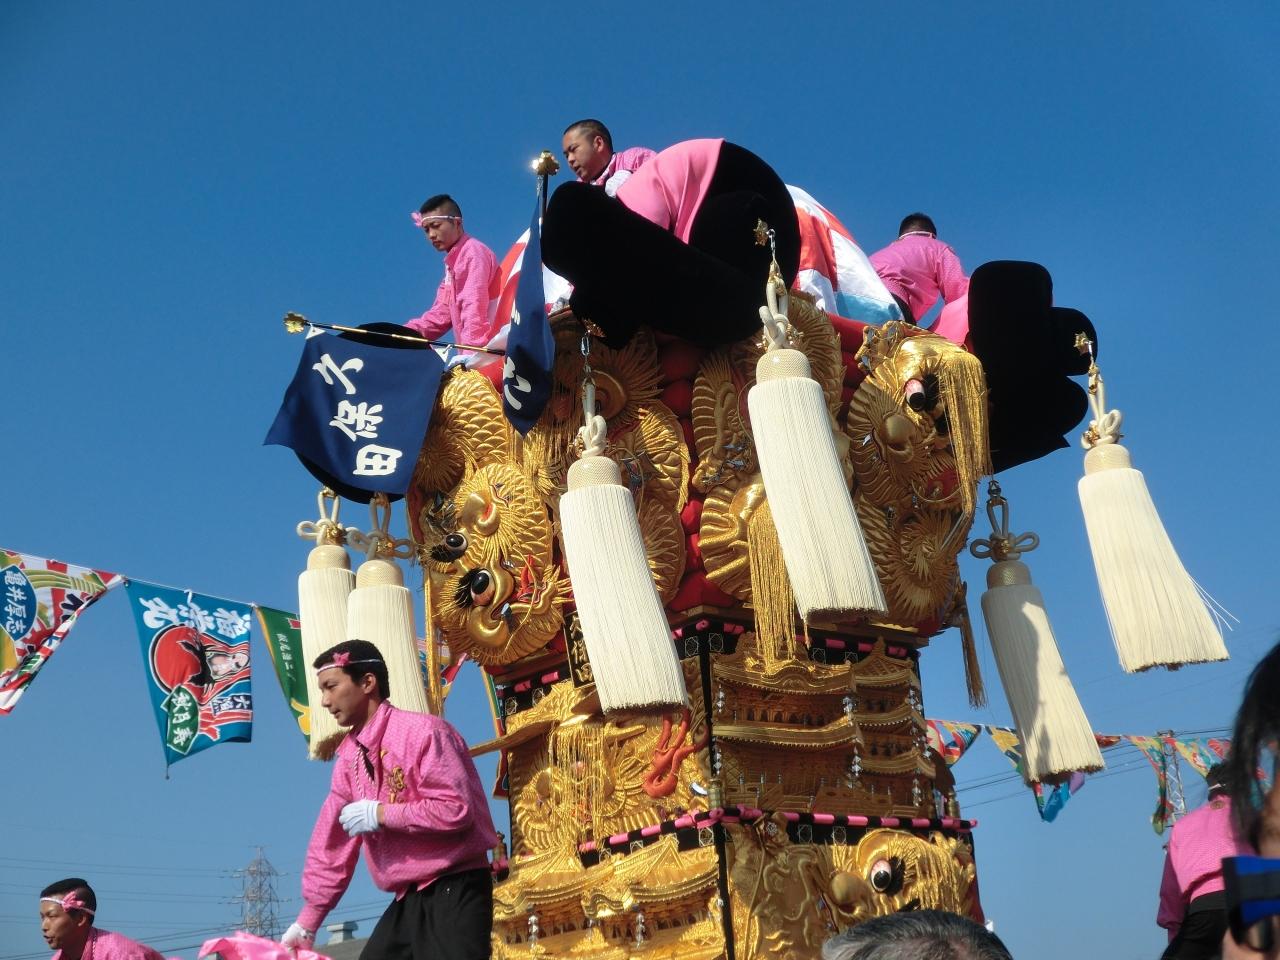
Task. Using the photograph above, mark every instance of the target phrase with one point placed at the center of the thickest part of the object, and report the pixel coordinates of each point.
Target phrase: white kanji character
(181, 736)
(326, 366)
(158, 612)
(511, 379)
(229, 623)
(196, 616)
(375, 461)
(357, 419)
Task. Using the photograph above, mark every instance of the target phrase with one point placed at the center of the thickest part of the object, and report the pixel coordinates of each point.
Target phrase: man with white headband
(468, 295)
(405, 789)
(67, 911)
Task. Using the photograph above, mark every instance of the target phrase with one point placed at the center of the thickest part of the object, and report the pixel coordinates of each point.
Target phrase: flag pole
(296, 323)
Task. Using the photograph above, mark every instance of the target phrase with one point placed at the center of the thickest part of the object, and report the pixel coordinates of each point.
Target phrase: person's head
(1215, 779)
(440, 218)
(1255, 744)
(67, 909)
(587, 147)
(914, 223)
(352, 677)
(916, 935)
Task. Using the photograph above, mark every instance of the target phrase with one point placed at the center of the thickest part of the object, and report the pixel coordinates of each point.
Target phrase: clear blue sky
(176, 176)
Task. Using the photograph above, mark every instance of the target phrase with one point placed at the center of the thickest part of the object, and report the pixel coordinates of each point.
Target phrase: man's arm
(331, 858)
(473, 275)
(952, 283)
(438, 319)
(1172, 909)
(443, 804)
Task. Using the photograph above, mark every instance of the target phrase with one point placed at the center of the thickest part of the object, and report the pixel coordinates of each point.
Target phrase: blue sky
(177, 176)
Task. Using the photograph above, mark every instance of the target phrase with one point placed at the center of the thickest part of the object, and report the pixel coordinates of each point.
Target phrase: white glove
(298, 936)
(360, 816)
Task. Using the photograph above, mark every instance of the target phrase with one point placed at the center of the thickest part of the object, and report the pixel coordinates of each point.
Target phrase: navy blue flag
(531, 350)
(356, 414)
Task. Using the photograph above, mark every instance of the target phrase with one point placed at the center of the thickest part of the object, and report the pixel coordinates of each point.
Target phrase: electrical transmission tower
(258, 901)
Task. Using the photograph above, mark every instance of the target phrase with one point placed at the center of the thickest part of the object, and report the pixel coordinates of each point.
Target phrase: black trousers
(449, 920)
(1200, 936)
(627, 271)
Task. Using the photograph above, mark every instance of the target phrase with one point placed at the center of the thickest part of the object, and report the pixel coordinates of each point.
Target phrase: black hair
(1256, 731)
(1216, 779)
(441, 201)
(917, 221)
(593, 128)
(915, 935)
(75, 885)
(365, 659)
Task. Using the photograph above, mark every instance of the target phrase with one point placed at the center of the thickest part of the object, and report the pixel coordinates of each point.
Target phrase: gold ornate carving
(467, 430)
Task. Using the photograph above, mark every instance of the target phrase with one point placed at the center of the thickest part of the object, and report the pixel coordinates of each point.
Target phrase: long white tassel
(1157, 614)
(380, 611)
(323, 589)
(831, 571)
(633, 657)
(1055, 733)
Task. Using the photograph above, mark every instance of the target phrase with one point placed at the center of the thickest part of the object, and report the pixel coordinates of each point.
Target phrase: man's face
(61, 928)
(442, 229)
(586, 155)
(344, 698)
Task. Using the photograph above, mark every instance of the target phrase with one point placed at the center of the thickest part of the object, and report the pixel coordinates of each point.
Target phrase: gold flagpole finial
(294, 322)
(546, 164)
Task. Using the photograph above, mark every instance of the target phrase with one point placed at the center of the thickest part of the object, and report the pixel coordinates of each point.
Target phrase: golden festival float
(751, 774)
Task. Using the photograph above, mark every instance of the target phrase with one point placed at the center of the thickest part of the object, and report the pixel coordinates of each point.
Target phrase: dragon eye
(482, 588)
(451, 548)
(881, 876)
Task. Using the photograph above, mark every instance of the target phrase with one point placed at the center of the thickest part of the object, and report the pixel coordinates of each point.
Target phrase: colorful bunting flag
(283, 633)
(950, 740)
(1203, 754)
(1153, 749)
(196, 651)
(1050, 799)
(40, 601)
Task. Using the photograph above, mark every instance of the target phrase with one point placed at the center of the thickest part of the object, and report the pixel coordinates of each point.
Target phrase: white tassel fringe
(633, 657)
(1056, 736)
(1157, 615)
(822, 543)
(381, 611)
(323, 589)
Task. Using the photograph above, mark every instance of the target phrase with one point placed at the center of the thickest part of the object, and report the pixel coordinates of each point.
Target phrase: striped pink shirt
(1193, 864)
(626, 162)
(919, 269)
(435, 808)
(105, 945)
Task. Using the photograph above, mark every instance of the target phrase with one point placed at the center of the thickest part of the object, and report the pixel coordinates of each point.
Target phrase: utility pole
(258, 901)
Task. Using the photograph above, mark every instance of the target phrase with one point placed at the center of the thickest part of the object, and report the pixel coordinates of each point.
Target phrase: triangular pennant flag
(1153, 749)
(1050, 799)
(39, 603)
(1202, 754)
(283, 635)
(950, 739)
(196, 651)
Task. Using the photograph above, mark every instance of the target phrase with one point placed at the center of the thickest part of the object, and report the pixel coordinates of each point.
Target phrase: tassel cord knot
(1105, 425)
(326, 531)
(1001, 545)
(378, 542)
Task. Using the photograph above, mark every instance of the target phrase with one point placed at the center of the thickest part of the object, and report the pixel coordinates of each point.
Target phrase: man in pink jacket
(918, 268)
(588, 149)
(405, 790)
(67, 911)
(468, 294)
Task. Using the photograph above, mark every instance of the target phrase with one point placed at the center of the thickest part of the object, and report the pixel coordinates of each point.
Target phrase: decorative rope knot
(1001, 545)
(773, 315)
(1105, 425)
(378, 542)
(327, 530)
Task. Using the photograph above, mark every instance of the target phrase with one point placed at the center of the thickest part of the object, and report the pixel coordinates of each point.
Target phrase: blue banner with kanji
(531, 348)
(356, 413)
(195, 650)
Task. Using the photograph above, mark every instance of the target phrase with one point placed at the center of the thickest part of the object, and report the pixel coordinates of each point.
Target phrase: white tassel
(633, 658)
(323, 589)
(1157, 615)
(1051, 723)
(826, 555)
(381, 611)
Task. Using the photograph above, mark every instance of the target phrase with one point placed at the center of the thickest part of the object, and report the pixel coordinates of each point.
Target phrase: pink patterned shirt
(919, 269)
(625, 162)
(467, 296)
(105, 945)
(670, 188)
(435, 808)
(1193, 864)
